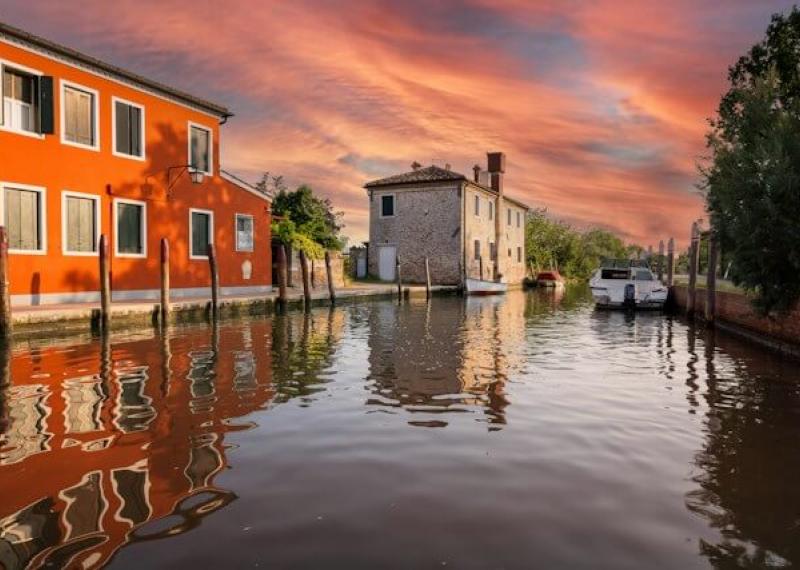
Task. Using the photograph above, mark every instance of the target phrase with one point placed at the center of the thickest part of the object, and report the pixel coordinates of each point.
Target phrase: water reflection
(106, 444)
(593, 424)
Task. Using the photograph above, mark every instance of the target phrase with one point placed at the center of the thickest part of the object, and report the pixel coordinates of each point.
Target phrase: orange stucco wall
(46, 162)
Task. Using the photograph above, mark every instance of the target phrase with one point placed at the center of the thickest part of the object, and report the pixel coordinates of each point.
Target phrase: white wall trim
(236, 232)
(380, 205)
(142, 131)
(3, 127)
(23, 300)
(190, 125)
(241, 186)
(97, 223)
(143, 228)
(210, 231)
(63, 85)
(42, 215)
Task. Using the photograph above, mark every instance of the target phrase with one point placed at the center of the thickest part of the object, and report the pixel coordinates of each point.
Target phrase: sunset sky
(599, 106)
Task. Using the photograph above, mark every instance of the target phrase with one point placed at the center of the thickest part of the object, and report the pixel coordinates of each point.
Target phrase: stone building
(459, 224)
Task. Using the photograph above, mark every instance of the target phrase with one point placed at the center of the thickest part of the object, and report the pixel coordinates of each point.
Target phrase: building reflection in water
(449, 355)
(103, 427)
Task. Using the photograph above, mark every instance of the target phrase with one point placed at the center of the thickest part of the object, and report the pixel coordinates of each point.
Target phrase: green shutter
(129, 228)
(123, 127)
(200, 233)
(46, 114)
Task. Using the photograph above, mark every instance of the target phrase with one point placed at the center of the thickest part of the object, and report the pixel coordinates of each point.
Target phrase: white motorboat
(481, 287)
(627, 284)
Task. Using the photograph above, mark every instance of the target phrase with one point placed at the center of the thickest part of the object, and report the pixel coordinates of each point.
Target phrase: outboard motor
(630, 296)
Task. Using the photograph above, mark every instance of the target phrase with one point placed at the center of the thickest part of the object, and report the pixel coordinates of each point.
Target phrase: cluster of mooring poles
(399, 277)
(283, 278)
(696, 239)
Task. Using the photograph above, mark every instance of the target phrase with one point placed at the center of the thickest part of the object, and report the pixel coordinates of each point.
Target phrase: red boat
(550, 278)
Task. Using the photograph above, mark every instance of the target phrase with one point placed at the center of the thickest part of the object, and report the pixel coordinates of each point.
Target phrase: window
(130, 222)
(201, 231)
(387, 206)
(508, 216)
(519, 254)
(24, 218)
(492, 251)
(244, 232)
(509, 252)
(20, 101)
(477, 249)
(128, 124)
(519, 220)
(491, 210)
(79, 222)
(200, 148)
(79, 110)
(477, 205)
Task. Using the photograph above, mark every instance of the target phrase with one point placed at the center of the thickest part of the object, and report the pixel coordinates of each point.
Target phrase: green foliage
(306, 222)
(752, 182)
(552, 244)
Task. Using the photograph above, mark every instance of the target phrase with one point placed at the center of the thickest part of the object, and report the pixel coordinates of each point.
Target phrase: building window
(24, 218)
(387, 206)
(200, 148)
(79, 111)
(201, 232)
(20, 101)
(477, 205)
(80, 223)
(509, 253)
(508, 216)
(491, 210)
(131, 227)
(244, 232)
(492, 251)
(477, 249)
(519, 254)
(128, 124)
(519, 219)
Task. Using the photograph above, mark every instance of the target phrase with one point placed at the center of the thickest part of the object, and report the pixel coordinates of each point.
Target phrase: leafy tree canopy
(752, 179)
(307, 222)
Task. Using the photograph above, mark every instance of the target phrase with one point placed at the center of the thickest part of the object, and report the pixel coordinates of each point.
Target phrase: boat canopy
(609, 263)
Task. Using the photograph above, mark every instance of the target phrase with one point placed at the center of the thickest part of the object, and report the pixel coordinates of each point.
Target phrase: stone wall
(481, 227)
(317, 273)
(426, 222)
(735, 308)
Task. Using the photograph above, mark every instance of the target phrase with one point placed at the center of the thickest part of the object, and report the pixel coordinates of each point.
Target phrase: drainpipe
(497, 166)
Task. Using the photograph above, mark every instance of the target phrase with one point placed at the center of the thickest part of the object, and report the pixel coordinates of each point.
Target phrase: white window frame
(63, 84)
(236, 231)
(192, 124)
(210, 231)
(476, 207)
(117, 253)
(6, 63)
(97, 225)
(42, 215)
(114, 151)
(394, 205)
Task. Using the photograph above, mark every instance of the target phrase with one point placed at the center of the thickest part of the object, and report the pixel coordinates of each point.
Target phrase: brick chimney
(496, 162)
(477, 171)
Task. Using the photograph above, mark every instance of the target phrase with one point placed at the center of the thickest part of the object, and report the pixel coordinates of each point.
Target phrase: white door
(361, 267)
(387, 256)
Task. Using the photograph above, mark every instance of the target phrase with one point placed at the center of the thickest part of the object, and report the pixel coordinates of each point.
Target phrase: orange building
(87, 148)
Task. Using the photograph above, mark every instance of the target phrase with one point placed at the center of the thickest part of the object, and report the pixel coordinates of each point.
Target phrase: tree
(306, 222)
(752, 179)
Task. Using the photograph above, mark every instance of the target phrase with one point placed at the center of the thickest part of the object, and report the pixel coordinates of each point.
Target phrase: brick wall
(735, 308)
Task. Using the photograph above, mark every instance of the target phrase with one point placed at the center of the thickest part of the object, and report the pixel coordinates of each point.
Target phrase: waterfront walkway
(125, 313)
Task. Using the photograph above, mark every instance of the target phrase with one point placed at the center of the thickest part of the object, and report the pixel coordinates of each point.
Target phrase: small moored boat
(481, 287)
(549, 279)
(627, 284)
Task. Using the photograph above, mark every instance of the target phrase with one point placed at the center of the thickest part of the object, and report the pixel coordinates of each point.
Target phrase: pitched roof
(87, 61)
(429, 174)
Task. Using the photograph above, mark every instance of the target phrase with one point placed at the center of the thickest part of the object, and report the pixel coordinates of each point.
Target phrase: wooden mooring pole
(306, 283)
(105, 283)
(212, 267)
(711, 280)
(480, 267)
(5, 296)
(282, 277)
(671, 262)
(427, 279)
(694, 265)
(399, 279)
(661, 260)
(164, 311)
(329, 276)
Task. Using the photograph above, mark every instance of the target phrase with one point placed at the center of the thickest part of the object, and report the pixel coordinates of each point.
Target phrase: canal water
(517, 432)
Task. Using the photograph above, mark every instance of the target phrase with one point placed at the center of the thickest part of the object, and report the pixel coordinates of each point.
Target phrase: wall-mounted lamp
(197, 177)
